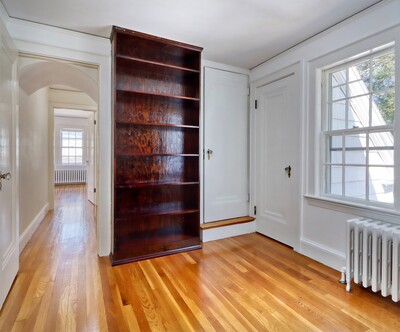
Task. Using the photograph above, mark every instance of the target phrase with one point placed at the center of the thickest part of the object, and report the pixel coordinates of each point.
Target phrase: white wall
(322, 234)
(33, 156)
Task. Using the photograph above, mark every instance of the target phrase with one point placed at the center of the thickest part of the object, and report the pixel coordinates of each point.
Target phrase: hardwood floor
(246, 283)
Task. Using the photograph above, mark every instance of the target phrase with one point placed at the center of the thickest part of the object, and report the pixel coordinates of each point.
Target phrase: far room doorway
(74, 150)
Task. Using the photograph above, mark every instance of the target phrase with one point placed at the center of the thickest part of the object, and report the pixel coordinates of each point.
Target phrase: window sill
(357, 209)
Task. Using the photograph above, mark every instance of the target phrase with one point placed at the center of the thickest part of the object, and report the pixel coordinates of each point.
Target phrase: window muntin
(358, 131)
(71, 147)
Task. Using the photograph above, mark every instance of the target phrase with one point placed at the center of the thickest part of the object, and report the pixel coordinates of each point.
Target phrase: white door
(91, 155)
(225, 145)
(277, 149)
(9, 246)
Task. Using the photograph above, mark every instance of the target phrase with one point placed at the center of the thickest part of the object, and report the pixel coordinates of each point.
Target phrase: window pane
(357, 88)
(383, 72)
(64, 152)
(354, 185)
(361, 71)
(338, 77)
(355, 149)
(78, 152)
(339, 92)
(78, 143)
(381, 183)
(338, 115)
(64, 160)
(358, 112)
(383, 108)
(334, 180)
(78, 160)
(79, 134)
(381, 149)
(335, 149)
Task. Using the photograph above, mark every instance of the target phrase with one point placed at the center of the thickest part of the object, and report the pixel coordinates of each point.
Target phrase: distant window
(358, 129)
(71, 147)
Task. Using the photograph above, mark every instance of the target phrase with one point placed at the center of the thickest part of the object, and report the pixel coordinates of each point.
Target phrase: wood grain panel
(145, 77)
(156, 140)
(158, 51)
(143, 108)
(156, 200)
(156, 169)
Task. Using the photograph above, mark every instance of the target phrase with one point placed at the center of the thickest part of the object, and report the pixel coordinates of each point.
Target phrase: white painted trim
(362, 210)
(34, 224)
(222, 66)
(3, 14)
(328, 256)
(228, 231)
(41, 34)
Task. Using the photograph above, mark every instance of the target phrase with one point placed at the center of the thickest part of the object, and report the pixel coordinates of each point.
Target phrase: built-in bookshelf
(156, 146)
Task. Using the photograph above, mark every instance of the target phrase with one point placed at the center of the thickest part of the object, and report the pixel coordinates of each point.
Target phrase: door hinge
(248, 91)
(255, 210)
(94, 122)
(255, 104)
(94, 190)
(204, 152)
(248, 197)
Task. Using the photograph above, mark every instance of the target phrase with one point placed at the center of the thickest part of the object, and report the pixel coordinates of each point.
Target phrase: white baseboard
(27, 234)
(228, 231)
(325, 255)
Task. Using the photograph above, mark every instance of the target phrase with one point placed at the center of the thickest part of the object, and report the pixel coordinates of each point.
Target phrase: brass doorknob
(209, 153)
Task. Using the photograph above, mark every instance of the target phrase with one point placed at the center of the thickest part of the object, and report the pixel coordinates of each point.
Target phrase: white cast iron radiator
(64, 176)
(373, 250)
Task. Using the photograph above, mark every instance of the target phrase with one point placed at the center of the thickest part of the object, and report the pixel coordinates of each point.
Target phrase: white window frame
(327, 132)
(61, 147)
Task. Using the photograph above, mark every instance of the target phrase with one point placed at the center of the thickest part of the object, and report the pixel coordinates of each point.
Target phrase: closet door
(225, 145)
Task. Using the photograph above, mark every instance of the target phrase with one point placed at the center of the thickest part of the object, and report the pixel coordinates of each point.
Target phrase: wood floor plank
(245, 283)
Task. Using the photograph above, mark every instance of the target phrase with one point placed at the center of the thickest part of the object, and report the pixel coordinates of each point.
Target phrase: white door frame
(50, 42)
(297, 70)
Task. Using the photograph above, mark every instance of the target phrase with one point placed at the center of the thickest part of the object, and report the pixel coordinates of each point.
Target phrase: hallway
(58, 287)
(243, 283)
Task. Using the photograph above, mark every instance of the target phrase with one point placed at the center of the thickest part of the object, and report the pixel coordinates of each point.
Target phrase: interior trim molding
(218, 233)
(28, 233)
(328, 256)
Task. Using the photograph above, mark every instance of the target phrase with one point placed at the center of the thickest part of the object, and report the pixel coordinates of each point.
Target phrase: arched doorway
(46, 83)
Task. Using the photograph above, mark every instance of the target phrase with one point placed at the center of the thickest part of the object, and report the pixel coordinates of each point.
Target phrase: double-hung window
(358, 129)
(71, 147)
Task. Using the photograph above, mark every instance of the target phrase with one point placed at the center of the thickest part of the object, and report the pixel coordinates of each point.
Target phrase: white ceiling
(243, 33)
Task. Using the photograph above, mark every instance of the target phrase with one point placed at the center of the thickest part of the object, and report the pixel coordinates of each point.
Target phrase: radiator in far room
(373, 256)
(65, 176)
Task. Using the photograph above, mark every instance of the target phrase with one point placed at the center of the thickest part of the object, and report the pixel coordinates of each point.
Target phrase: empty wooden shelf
(156, 146)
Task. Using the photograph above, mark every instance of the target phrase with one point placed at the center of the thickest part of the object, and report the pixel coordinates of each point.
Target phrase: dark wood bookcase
(156, 146)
